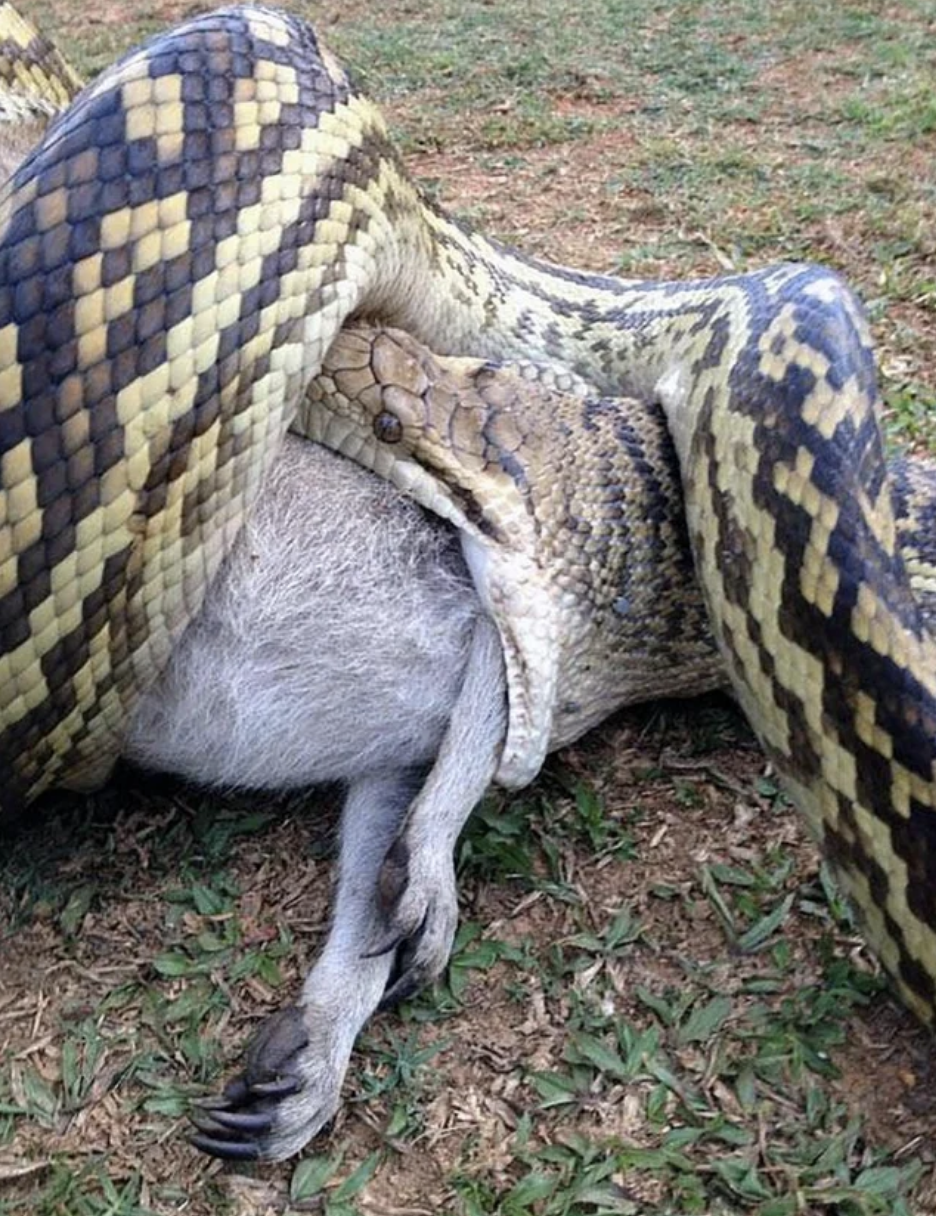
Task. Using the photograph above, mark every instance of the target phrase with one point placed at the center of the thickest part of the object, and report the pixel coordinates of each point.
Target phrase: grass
(657, 1002)
(620, 1023)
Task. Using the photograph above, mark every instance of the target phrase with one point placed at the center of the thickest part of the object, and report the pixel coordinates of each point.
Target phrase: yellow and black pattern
(158, 264)
(799, 534)
(913, 486)
(35, 78)
(582, 547)
(176, 260)
(796, 541)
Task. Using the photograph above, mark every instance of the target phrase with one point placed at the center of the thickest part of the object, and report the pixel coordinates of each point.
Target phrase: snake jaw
(516, 593)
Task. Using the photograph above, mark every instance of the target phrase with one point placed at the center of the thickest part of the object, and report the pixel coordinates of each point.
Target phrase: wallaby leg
(296, 1061)
(417, 893)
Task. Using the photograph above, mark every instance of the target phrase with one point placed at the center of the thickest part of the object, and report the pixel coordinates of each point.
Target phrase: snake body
(177, 259)
(36, 83)
(35, 78)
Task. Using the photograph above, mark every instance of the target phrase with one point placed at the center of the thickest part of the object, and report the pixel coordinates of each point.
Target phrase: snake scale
(661, 485)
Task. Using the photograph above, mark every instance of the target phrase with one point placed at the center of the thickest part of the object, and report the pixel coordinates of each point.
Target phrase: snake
(36, 80)
(660, 486)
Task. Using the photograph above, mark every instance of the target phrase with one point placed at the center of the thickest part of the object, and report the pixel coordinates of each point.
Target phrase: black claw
(229, 1150)
(234, 1121)
(204, 1120)
(385, 946)
(408, 975)
(402, 989)
(393, 876)
(281, 1087)
(272, 1050)
(211, 1104)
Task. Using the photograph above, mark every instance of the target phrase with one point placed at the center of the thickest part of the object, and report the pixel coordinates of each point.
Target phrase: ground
(658, 1004)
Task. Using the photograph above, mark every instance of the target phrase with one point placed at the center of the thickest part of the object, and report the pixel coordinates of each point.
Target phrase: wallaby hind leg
(296, 1060)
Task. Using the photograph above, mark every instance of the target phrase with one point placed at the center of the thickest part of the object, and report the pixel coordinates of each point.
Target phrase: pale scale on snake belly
(177, 259)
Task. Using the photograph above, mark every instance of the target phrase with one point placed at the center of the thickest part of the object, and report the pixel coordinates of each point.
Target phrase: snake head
(425, 424)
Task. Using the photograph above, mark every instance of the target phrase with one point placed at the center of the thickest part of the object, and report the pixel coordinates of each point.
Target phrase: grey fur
(16, 139)
(332, 646)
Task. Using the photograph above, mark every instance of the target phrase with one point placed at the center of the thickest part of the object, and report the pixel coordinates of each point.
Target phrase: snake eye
(387, 427)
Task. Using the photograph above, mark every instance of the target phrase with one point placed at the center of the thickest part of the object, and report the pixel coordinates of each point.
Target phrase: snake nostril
(387, 427)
